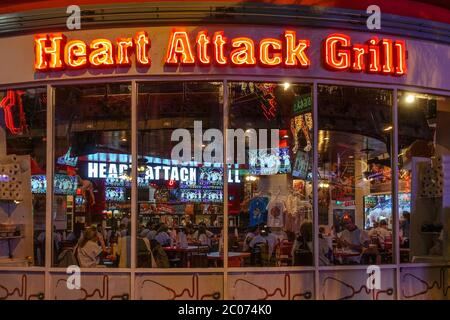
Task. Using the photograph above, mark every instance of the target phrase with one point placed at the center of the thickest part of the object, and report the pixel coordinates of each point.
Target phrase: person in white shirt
(88, 251)
(256, 240)
(272, 240)
(260, 237)
(203, 237)
(202, 225)
(381, 232)
(248, 238)
(353, 239)
(325, 251)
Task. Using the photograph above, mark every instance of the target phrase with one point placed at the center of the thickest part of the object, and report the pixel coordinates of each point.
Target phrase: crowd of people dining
(159, 246)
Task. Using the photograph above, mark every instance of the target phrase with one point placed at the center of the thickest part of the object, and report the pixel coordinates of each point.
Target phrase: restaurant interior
(270, 199)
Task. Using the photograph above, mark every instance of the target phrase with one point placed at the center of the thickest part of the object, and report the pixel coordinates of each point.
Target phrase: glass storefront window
(92, 188)
(180, 175)
(180, 199)
(354, 174)
(424, 181)
(270, 184)
(22, 165)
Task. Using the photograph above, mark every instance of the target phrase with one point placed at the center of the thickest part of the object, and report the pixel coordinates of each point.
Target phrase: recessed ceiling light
(410, 98)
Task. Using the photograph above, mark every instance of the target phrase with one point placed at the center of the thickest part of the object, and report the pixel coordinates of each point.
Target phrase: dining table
(186, 252)
(235, 259)
(343, 255)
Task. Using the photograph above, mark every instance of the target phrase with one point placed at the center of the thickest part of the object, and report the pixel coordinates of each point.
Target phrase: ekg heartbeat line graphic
(21, 291)
(284, 292)
(441, 284)
(191, 292)
(103, 293)
(354, 291)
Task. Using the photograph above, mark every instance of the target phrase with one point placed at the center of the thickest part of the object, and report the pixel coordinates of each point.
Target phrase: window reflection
(270, 208)
(355, 199)
(180, 200)
(92, 181)
(424, 163)
(22, 174)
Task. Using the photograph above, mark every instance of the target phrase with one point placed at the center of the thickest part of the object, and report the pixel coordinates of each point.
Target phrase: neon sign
(382, 56)
(116, 171)
(376, 56)
(12, 99)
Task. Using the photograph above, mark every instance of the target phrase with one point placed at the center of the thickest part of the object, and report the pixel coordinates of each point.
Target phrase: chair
(260, 255)
(175, 262)
(283, 253)
(199, 258)
(303, 258)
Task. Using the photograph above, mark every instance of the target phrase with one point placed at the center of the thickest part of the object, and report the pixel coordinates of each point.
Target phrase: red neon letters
(11, 99)
(377, 56)
(53, 53)
(381, 56)
(179, 46)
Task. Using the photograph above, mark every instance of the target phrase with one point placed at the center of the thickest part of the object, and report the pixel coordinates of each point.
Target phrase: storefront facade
(327, 106)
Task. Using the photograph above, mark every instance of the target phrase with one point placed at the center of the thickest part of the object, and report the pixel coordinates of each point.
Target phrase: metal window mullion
(394, 164)
(225, 190)
(49, 192)
(134, 190)
(315, 192)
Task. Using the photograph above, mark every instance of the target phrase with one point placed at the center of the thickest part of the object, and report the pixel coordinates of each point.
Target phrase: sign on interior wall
(289, 50)
(199, 175)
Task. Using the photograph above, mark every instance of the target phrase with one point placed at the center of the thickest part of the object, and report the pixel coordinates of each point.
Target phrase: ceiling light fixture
(410, 98)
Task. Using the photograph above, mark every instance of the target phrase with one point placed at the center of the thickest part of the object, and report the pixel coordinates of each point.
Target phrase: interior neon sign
(382, 56)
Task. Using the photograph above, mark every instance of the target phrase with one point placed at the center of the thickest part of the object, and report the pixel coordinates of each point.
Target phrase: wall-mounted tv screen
(269, 161)
(379, 207)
